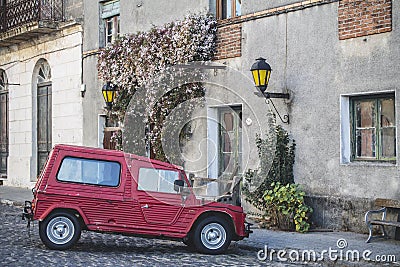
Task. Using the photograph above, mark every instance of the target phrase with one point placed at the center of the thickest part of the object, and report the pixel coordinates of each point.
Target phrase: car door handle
(145, 206)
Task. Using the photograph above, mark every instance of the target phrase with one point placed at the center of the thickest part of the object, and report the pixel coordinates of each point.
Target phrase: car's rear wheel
(212, 235)
(60, 230)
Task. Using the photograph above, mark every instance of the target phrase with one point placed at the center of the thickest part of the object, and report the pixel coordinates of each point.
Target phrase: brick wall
(229, 41)
(360, 18)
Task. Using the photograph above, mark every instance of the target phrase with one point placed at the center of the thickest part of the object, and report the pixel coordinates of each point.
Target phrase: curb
(11, 202)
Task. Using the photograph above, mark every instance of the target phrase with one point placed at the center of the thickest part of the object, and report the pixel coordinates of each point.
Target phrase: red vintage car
(100, 190)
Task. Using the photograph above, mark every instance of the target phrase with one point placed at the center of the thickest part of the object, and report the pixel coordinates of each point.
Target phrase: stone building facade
(338, 60)
(40, 62)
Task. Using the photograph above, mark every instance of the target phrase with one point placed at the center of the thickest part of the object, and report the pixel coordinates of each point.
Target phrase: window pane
(238, 7)
(387, 113)
(3, 80)
(118, 29)
(365, 143)
(227, 159)
(227, 143)
(167, 179)
(89, 171)
(229, 9)
(109, 31)
(148, 179)
(109, 27)
(365, 113)
(388, 142)
(213, 7)
(228, 121)
(157, 180)
(226, 9)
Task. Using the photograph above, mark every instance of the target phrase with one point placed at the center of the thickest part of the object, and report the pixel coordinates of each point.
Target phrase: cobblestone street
(93, 249)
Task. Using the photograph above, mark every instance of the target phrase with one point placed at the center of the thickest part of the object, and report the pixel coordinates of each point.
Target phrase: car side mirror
(178, 185)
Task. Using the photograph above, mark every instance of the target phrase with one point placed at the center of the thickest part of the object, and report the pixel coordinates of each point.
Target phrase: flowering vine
(134, 62)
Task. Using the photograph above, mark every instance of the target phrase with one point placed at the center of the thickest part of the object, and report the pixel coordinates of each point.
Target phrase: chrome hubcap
(213, 236)
(60, 230)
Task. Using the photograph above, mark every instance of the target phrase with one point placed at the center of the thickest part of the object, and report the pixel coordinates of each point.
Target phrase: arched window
(44, 117)
(3, 124)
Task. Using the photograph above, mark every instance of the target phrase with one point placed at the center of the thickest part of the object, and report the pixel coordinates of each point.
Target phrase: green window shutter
(110, 9)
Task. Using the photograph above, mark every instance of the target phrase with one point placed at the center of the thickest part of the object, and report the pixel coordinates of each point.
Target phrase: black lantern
(261, 72)
(109, 92)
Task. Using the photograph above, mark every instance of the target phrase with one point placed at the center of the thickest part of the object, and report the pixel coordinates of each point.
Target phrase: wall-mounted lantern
(261, 72)
(109, 92)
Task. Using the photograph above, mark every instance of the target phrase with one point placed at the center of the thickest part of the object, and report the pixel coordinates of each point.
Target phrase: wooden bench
(385, 204)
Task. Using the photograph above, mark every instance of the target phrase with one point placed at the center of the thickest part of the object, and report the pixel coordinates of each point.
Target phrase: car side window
(157, 180)
(89, 171)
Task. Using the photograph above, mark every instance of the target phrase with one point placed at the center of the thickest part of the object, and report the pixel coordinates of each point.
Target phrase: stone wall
(344, 213)
(62, 51)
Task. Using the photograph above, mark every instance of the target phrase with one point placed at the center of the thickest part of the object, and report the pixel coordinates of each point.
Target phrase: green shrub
(271, 189)
(277, 145)
(288, 200)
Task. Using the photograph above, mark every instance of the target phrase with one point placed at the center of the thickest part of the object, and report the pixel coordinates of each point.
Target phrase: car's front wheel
(212, 235)
(60, 230)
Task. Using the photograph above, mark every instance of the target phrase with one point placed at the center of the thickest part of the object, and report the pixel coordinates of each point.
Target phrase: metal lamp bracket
(268, 100)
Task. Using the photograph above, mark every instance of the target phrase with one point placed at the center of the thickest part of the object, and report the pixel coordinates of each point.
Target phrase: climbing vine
(277, 196)
(136, 61)
(281, 169)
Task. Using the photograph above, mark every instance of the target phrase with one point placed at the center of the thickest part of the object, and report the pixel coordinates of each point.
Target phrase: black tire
(212, 235)
(60, 230)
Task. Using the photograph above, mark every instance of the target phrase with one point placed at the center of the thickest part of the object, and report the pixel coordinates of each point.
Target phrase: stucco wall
(252, 6)
(144, 14)
(92, 101)
(63, 53)
(310, 61)
(319, 71)
(73, 10)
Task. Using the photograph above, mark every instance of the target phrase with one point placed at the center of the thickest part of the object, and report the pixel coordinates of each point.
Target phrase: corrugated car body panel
(160, 208)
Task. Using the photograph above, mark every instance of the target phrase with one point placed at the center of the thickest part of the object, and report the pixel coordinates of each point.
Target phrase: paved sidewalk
(335, 248)
(343, 247)
(15, 195)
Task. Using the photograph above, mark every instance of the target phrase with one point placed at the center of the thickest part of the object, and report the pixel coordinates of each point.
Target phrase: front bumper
(247, 229)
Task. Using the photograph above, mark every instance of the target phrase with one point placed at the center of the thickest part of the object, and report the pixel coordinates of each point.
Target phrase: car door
(159, 203)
